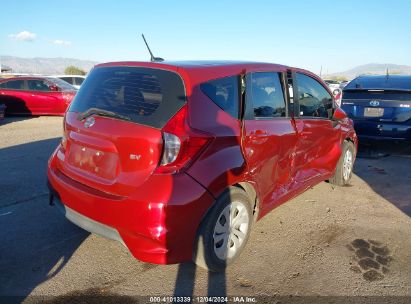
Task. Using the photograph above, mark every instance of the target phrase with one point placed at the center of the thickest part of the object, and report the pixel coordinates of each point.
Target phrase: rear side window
(13, 85)
(147, 96)
(224, 93)
(313, 98)
(266, 96)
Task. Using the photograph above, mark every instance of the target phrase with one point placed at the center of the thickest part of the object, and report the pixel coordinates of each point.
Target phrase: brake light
(64, 137)
(181, 144)
(67, 97)
(64, 142)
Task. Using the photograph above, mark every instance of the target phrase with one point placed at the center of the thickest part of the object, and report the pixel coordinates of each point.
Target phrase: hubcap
(230, 230)
(347, 165)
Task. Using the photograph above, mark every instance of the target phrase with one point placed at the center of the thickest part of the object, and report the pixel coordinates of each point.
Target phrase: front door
(319, 147)
(42, 99)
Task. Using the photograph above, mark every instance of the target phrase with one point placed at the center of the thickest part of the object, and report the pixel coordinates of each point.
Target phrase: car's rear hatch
(113, 140)
(377, 104)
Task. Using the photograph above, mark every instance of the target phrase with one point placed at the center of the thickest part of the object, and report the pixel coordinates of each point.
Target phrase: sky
(334, 35)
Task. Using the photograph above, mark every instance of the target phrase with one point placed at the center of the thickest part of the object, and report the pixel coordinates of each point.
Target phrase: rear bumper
(366, 129)
(157, 225)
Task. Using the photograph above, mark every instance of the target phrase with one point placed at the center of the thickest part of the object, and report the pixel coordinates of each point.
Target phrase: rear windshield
(147, 96)
(67, 79)
(383, 95)
(393, 82)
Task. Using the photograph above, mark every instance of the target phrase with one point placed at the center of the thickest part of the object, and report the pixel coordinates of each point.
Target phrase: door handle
(259, 134)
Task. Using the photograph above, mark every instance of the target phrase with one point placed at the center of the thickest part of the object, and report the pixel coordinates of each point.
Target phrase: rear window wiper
(101, 112)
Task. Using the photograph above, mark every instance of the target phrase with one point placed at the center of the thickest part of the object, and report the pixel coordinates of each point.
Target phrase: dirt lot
(309, 247)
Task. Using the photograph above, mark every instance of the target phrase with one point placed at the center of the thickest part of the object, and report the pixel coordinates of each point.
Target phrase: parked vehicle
(177, 160)
(36, 95)
(343, 84)
(380, 106)
(332, 84)
(337, 93)
(75, 80)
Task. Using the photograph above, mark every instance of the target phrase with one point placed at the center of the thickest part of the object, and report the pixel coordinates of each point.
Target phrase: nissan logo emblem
(90, 121)
(374, 103)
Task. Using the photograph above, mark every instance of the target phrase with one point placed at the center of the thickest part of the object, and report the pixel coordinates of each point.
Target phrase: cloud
(23, 36)
(62, 42)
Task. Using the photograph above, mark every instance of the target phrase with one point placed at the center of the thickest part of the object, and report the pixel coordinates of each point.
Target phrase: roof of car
(26, 78)
(193, 63)
(58, 76)
(203, 70)
(381, 82)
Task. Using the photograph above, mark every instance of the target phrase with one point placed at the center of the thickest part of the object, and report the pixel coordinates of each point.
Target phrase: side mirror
(54, 88)
(339, 114)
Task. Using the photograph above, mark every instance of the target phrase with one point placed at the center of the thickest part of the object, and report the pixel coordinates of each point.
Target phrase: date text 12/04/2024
(199, 299)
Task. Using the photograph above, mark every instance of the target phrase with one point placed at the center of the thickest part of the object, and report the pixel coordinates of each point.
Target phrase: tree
(73, 70)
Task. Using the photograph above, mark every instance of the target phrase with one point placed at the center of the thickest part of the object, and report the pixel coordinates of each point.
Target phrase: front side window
(224, 93)
(266, 96)
(38, 85)
(313, 98)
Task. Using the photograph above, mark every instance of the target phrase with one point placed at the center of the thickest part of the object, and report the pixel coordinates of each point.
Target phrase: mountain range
(372, 69)
(57, 66)
(44, 65)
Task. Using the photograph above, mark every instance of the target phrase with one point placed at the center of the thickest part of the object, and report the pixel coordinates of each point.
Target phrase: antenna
(152, 58)
(387, 74)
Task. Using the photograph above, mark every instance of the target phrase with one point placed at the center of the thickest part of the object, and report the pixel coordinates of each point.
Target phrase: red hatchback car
(36, 95)
(177, 160)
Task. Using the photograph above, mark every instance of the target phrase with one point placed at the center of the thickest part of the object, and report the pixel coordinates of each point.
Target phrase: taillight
(64, 142)
(64, 137)
(67, 97)
(171, 148)
(181, 144)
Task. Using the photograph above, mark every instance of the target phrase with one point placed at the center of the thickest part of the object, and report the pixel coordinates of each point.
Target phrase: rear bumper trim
(88, 224)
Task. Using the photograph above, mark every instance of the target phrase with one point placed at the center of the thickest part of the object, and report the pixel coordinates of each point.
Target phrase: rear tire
(343, 171)
(224, 232)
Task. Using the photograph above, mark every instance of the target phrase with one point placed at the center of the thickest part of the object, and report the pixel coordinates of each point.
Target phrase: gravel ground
(323, 243)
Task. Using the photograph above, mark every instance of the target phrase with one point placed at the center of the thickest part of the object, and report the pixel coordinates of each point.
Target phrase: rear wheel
(343, 171)
(225, 231)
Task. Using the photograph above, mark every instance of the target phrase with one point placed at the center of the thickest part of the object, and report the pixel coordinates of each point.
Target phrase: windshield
(64, 86)
(145, 96)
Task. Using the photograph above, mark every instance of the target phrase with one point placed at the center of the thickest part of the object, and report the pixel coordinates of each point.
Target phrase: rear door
(113, 140)
(269, 137)
(15, 96)
(318, 148)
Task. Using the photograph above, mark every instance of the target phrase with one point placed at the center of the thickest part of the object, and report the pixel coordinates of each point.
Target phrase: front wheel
(225, 231)
(343, 171)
